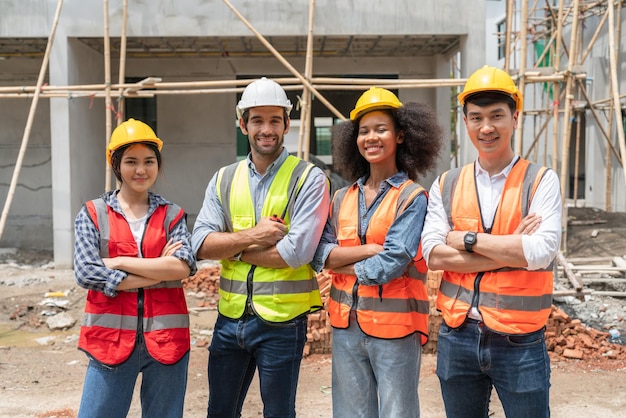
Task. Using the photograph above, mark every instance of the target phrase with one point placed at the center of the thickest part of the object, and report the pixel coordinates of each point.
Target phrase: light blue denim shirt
(400, 244)
(307, 221)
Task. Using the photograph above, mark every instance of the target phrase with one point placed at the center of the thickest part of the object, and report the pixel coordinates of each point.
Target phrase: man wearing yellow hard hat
(494, 227)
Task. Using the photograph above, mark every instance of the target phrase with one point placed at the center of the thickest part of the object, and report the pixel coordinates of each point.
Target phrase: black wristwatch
(469, 240)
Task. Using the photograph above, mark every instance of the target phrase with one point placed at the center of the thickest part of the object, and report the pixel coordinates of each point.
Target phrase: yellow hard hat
(491, 79)
(131, 131)
(375, 98)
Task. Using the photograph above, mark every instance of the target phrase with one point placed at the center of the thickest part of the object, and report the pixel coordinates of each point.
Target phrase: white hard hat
(263, 92)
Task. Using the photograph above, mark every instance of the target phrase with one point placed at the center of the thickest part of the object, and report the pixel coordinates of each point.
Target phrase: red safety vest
(392, 310)
(110, 324)
(510, 300)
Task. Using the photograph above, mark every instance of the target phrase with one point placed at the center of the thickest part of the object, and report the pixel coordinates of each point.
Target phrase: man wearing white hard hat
(262, 218)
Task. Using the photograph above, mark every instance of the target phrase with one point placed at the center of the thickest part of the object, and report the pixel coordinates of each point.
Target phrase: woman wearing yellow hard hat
(132, 249)
(379, 304)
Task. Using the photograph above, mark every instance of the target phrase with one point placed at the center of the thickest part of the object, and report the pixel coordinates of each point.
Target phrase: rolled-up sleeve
(542, 246)
(210, 219)
(436, 226)
(399, 248)
(89, 269)
(185, 253)
(328, 241)
(298, 247)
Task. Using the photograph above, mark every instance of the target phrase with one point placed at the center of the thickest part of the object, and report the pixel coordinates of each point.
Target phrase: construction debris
(568, 338)
(204, 286)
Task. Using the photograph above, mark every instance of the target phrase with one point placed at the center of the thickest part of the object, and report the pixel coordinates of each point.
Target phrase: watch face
(469, 240)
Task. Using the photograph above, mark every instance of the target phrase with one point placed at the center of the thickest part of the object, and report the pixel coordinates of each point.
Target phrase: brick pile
(568, 338)
(204, 287)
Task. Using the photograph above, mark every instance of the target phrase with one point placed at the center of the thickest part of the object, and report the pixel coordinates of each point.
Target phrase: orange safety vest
(110, 324)
(392, 310)
(510, 300)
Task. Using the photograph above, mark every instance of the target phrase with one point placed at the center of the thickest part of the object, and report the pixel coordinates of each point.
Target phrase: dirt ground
(41, 371)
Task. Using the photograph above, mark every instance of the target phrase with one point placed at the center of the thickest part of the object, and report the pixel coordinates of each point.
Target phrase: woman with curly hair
(378, 303)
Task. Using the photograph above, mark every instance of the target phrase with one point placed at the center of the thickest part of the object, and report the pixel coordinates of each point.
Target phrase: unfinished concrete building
(70, 71)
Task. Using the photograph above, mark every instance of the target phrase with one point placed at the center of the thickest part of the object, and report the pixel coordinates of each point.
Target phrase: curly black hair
(416, 155)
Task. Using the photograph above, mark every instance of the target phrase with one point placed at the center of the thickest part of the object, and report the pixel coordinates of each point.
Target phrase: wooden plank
(589, 260)
(559, 293)
(594, 267)
(619, 262)
(609, 293)
(588, 222)
(603, 280)
(568, 272)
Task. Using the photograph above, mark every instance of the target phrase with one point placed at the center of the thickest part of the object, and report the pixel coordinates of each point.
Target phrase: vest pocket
(103, 317)
(242, 222)
(462, 223)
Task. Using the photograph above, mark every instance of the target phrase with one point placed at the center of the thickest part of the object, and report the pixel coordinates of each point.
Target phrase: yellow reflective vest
(275, 294)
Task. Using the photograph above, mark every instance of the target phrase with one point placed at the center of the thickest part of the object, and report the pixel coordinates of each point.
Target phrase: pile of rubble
(566, 338)
(204, 286)
(570, 339)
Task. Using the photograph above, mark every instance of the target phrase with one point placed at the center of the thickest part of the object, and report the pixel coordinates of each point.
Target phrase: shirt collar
(277, 162)
(478, 170)
(394, 181)
(110, 198)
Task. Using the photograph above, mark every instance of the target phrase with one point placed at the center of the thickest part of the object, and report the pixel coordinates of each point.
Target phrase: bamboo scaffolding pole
(577, 154)
(120, 78)
(605, 134)
(29, 120)
(609, 163)
(286, 63)
(510, 7)
(519, 132)
(614, 84)
(304, 139)
(202, 87)
(594, 38)
(608, 181)
(107, 91)
(556, 89)
(569, 97)
(122, 69)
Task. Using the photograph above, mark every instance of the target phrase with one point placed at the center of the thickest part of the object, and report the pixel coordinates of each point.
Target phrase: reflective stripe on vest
(110, 324)
(392, 310)
(277, 295)
(510, 300)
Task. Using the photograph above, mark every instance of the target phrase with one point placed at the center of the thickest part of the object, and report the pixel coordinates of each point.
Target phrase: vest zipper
(249, 287)
(474, 303)
(140, 300)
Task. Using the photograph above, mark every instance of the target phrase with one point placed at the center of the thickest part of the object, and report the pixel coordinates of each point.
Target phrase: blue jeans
(238, 348)
(374, 377)
(108, 391)
(472, 359)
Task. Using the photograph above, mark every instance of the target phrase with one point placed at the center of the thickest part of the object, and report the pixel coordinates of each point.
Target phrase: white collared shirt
(540, 248)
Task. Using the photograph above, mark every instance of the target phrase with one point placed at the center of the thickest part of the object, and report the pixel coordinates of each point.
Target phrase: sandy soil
(41, 371)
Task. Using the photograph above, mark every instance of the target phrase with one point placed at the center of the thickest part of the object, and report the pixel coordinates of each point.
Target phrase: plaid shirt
(90, 271)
